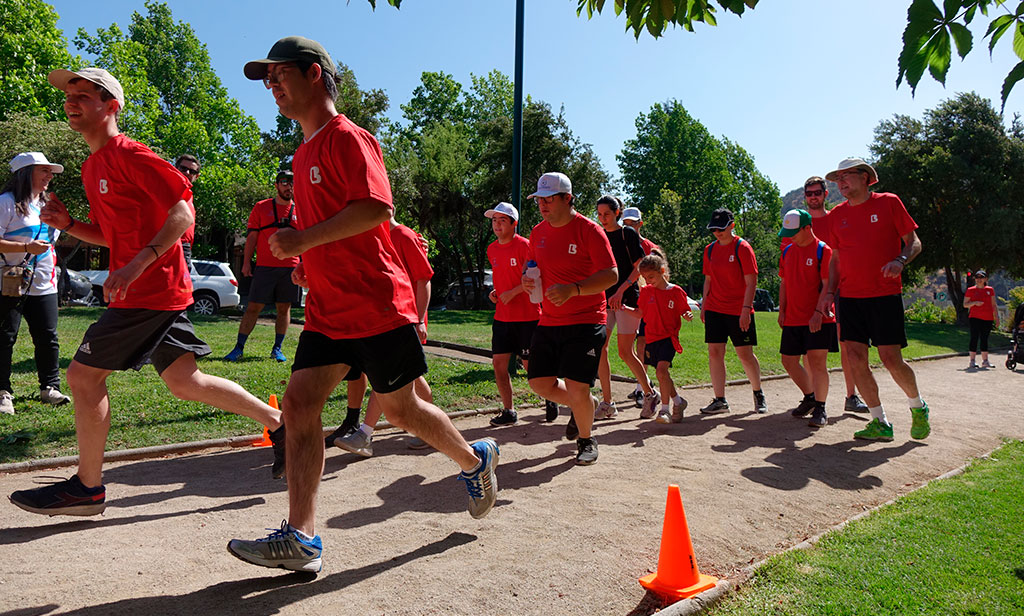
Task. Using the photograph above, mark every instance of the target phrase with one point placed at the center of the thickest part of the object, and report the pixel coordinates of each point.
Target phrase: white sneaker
(52, 395)
(664, 417)
(6, 403)
(650, 406)
(605, 410)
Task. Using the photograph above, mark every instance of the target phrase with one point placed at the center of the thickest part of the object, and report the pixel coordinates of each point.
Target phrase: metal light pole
(517, 121)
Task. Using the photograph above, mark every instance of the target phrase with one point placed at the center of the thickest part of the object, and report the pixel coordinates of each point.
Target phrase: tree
(957, 171)
(31, 46)
(22, 132)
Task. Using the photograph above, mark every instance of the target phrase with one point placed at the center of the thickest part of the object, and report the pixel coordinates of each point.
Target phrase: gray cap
(60, 78)
(291, 49)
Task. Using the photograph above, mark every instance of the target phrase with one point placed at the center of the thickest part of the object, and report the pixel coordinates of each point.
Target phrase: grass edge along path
(950, 547)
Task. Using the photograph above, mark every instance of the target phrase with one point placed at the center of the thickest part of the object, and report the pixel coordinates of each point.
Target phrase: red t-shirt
(803, 274)
(568, 254)
(507, 265)
(410, 251)
(269, 214)
(984, 294)
(663, 310)
(726, 272)
(867, 237)
(357, 286)
(130, 190)
(820, 227)
(648, 246)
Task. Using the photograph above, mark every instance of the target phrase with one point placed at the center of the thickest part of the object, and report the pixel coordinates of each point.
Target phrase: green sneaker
(875, 431)
(920, 428)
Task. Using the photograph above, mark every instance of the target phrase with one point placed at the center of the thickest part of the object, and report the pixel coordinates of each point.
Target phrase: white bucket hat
(33, 158)
(853, 163)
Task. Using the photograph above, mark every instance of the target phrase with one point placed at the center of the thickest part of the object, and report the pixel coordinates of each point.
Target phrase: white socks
(916, 403)
(878, 413)
(367, 430)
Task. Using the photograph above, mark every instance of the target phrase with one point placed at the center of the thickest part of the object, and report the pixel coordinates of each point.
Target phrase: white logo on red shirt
(874, 218)
(103, 187)
(809, 262)
(732, 258)
(572, 249)
(671, 304)
(512, 261)
(314, 175)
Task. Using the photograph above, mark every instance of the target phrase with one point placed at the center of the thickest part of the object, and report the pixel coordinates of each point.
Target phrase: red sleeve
(747, 259)
(164, 184)
(682, 306)
(413, 256)
(254, 218)
(645, 294)
(706, 267)
(901, 218)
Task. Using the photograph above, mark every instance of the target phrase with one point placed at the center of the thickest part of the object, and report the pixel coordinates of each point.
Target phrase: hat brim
(543, 193)
(788, 232)
(631, 218)
(833, 176)
(60, 77)
(493, 213)
(257, 69)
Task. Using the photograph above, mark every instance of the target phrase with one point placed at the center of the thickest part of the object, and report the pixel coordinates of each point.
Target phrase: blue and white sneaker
(482, 483)
(275, 353)
(234, 355)
(284, 548)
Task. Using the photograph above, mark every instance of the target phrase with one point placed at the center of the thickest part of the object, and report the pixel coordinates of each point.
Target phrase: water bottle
(532, 271)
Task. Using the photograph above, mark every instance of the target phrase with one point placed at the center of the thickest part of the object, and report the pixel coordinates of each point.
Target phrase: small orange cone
(265, 441)
(678, 576)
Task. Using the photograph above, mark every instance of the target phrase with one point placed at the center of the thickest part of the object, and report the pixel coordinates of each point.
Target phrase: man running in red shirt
(360, 309)
(139, 207)
(873, 237)
(272, 278)
(576, 266)
(806, 331)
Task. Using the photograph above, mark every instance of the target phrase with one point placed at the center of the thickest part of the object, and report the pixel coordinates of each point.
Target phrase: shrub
(923, 311)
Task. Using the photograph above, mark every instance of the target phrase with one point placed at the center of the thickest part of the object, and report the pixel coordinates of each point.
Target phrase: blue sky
(800, 84)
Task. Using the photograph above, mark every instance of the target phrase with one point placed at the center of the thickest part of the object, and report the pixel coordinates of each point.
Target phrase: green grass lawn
(952, 548)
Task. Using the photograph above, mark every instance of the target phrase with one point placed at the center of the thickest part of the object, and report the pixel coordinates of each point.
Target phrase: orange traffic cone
(678, 576)
(265, 441)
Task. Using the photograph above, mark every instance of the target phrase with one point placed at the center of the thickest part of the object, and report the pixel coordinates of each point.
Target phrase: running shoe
(920, 428)
(68, 497)
(606, 410)
(357, 442)
(716, 407)
(342, 430)
(678, 408)
(586, 451)
(277, 441)
(855, 405)
(482, 484)
(275, 353)
(806, 406)
(234, 355)
(636, 394)
(972, 366)
(875, 431)
(572, 431)
(760, 406)
(650, 405)
(985, 364)
(550, 411)
(283, 548)
(506, 417)
(818, 418)
(52, 395)
(6, 403)
(417, 443)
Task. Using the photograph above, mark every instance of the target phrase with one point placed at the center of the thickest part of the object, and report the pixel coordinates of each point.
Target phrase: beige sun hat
(853, 163)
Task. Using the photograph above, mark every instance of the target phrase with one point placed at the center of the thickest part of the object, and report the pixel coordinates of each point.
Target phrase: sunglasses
(814, 193)
(188, 171)
(289, 182)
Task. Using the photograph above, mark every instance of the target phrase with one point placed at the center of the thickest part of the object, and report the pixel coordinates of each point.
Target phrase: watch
(901, 259)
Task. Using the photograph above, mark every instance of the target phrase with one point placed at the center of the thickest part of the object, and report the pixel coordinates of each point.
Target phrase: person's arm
(56, 214)
(179, 219)
(828, 293)
(32, 247)
(357, 217)
(995, 311)
(783, 300)
(509, 295)
(748, 300)
(250, 249)
(911, 248)
(615, 301)
(422, 291)
(596, 283)
(704, 295)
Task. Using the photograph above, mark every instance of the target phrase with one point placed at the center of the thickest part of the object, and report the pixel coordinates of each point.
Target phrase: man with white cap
(576, 266)
(360, 309)
(515, 316)
(139, 206)
(873, 238)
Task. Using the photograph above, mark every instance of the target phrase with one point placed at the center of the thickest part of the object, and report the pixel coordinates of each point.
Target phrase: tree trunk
(956, 294)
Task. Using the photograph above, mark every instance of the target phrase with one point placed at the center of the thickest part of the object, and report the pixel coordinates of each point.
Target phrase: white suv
(213, 286)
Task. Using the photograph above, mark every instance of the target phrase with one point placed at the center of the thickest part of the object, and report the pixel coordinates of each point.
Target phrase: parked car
(73, 288)
(214, 286)
(461, 295)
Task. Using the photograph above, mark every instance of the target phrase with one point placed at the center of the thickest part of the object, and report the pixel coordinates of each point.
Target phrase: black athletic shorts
(640, 332)
(798, 339)
(876, 321)
(512, 337)
(566, 351)
(718, 328)
(126, 338)
(658, 351)
(273, 285)
(390, 360)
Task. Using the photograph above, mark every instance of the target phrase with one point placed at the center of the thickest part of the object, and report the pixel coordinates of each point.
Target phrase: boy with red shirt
(360, 309)
(576, 266)
(806, 331)
(272, 277)
(730, 278)
(873, 237)
(983, 316)
(515, 316)
(662, 304)
(140, 207)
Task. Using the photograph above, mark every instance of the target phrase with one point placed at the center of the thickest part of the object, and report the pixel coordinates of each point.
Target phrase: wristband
(153, 247)
(579, 291)
(901, 259)
(70, 224)
(745, 306)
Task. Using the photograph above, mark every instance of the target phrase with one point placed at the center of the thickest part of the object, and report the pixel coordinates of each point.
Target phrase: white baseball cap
(503, 208)
(632, 213)
(552, 183)
(60, 78)
(33, 158)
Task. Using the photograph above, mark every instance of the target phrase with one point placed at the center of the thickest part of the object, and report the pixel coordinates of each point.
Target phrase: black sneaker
(505, 418)
(818, 418)
(571, 430)
(760, 406)
(806, 406)
(277, 440)
(716, 407)
(68, 497)
(550, 411)
(586, 451)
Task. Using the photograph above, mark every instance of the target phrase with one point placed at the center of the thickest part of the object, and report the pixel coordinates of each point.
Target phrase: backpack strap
(786, 249)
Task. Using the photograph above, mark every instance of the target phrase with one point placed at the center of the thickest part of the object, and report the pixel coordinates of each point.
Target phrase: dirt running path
(562, 539)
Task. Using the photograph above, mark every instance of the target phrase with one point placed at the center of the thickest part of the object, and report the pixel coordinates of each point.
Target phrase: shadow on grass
(258, 596)
(460, 317)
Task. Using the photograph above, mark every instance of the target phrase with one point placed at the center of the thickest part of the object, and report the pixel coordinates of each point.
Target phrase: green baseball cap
(291, 49)
(793, 221)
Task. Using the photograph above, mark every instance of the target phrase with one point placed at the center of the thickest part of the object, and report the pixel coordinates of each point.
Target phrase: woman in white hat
(26, 242)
